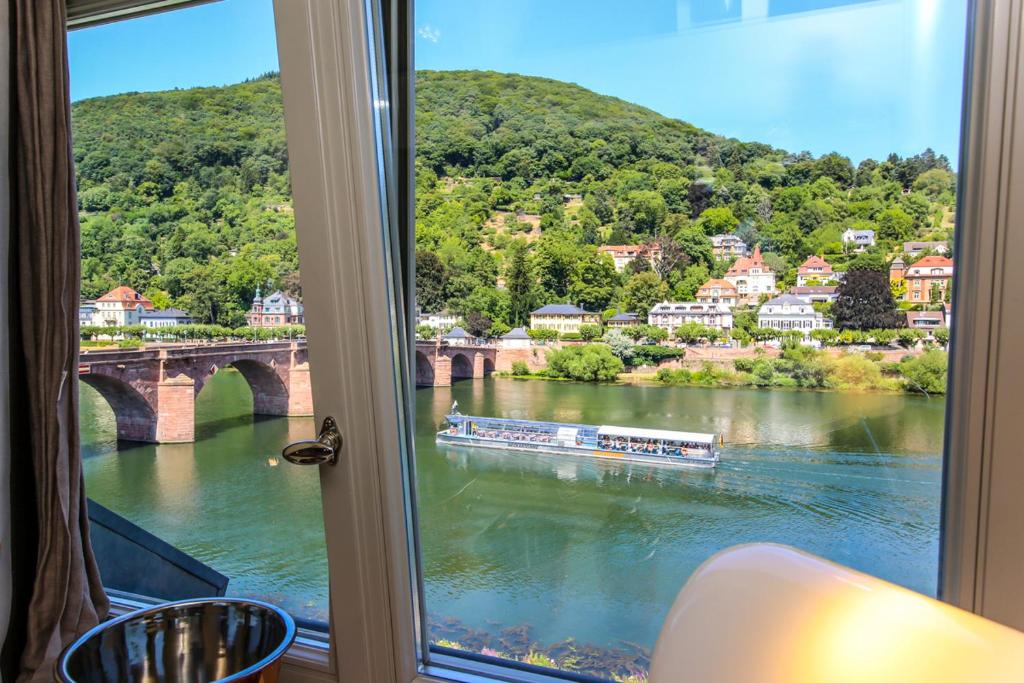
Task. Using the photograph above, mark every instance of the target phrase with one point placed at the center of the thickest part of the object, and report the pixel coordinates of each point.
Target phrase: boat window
(572, 158)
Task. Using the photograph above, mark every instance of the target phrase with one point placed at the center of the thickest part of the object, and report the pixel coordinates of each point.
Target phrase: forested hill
(185, 196)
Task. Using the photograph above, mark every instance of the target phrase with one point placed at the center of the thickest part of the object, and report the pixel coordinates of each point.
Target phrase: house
(620, 320)
(789, 312)
(85, 311)
(858, 240)
(751, 277)
(716, 291)
(926, 320)
(915, 248)
(442, 320)
(169, 317)
(516, 338)
(459, 337)
(119, 307)
(276, 310)
(816, 293)
(562, 318)
(669, 315)
(814, 271)
(928, 279)
(726, 247)
(624, 254)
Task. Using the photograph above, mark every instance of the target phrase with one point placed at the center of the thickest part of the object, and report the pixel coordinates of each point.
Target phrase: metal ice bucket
(192, 641)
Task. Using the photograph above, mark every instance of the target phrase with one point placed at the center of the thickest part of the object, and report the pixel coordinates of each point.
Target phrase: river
(571, 548)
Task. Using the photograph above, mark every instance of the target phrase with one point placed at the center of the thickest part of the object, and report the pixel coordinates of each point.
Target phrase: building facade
(814, 271)
(926, 320)
(624, 254)
(929, 279)
(120, 307)
(751, 277)
(516, 338)
(562, 318)
(788, 312)
(914, 249)
(726, 247)
(670, 315)
(276, 310)
(442, 320)
(716, 291)
(168, 317)
(620, 320)
(858, 240)
(816, 293)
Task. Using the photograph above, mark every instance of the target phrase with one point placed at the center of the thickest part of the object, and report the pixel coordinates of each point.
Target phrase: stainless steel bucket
(192, 641)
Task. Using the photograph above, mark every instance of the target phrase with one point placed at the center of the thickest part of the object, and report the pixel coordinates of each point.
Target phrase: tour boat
(650, 446)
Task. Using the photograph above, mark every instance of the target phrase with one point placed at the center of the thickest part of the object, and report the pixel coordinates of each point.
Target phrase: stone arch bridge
(153, 391)
(437, 364)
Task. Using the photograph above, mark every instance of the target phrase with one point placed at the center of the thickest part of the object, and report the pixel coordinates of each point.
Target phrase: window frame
(326, 60)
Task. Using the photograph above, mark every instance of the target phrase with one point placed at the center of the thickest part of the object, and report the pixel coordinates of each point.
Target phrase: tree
(431, 281)
(519, 283)
(717, 221)
(478, 324)
(895, 224)
(864, 302)
(593, 281)
(161, 299)
(926, 372)
(589, 363)
(642, 291)
(642, 212)
(590, 332)
(621, 345)
(667, 255)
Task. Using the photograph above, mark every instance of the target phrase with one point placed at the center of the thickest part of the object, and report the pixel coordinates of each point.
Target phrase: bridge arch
(488, 365)
(269, 392)
(424, 370)
(462, 366)
(136, 418)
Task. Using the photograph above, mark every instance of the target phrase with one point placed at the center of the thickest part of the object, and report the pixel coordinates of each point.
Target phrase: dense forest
(184, 195)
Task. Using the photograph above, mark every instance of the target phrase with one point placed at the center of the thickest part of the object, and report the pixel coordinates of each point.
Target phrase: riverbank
(796, 368)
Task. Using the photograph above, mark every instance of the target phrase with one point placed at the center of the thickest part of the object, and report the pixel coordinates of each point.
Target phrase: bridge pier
(478, 365)
(442, 371)
(300, 391)
(176, 416)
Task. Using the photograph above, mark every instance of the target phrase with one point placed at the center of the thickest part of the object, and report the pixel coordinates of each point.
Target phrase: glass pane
(193, 367)
(683, 275)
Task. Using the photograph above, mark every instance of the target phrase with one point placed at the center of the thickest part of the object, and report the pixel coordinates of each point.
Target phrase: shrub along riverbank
(798, 367)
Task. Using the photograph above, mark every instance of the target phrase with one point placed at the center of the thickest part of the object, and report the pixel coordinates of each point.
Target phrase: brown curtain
(57, 587)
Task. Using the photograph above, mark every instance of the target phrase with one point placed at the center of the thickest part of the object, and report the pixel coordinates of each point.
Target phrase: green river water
(551, 547)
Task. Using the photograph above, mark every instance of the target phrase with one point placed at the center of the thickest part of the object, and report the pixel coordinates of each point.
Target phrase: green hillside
(185, 196)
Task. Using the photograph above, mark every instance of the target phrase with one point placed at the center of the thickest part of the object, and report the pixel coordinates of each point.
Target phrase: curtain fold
(57, 586)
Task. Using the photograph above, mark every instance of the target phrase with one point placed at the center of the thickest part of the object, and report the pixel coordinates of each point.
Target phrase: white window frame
(331, 101)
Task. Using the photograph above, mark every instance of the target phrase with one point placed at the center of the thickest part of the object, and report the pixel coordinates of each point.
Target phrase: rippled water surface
(573, 548)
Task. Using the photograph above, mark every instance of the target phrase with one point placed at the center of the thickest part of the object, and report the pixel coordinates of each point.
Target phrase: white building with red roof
(624, 254)
(119, 307)
(814, 271)
(751, 277)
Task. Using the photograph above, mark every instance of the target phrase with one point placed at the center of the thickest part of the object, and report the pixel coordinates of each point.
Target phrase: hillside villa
(620, 320)
(670, 315)
(442, 320)
(725, 247)
(751, 277)
(716, 291)
(858, 240)
(120, 307)
(276, 310)
(814, 271)
(926, 320)
(562, 318)
(788, 312)
(624, 254)
(915, 248)
(816, 293)
(926, 280)
(168, 317)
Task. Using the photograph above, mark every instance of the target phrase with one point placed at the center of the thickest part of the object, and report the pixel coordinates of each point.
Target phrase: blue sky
(862, 77)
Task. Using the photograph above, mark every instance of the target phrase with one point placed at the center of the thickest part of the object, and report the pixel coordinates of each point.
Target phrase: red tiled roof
(929, 262)
(745, 263)
(814, 262)
(127, 297)
(724, 284)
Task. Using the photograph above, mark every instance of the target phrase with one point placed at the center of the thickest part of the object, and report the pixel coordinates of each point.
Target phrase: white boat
(650, 446)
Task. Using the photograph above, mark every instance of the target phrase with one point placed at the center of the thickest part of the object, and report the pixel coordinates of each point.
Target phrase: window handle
(320, 451)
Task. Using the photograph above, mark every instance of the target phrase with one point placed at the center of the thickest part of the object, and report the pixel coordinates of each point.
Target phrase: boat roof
(663, 434)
